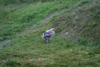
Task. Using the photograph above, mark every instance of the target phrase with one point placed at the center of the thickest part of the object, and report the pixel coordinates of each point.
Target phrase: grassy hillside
(7, 2)
(75, 44)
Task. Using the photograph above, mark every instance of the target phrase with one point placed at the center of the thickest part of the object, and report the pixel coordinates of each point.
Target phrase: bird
(48, 35)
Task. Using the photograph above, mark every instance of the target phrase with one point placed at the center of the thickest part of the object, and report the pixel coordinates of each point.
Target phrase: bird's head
(52, 29)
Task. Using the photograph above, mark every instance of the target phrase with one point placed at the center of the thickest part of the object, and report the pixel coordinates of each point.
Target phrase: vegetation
(75, 44)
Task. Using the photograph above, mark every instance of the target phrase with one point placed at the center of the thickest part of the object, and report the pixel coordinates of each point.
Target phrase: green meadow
(76, 42)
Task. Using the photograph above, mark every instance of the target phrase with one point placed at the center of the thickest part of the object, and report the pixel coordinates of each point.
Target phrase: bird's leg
(47, 40)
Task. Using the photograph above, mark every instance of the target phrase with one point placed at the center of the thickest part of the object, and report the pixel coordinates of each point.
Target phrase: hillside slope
(75, 44)
(82, 22)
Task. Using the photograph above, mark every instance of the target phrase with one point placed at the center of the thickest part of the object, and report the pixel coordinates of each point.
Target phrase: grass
(22, 25)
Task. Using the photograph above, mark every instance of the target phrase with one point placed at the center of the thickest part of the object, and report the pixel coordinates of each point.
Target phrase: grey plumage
(48, 34)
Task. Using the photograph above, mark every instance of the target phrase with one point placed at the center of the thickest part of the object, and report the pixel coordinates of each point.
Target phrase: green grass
(22, 25)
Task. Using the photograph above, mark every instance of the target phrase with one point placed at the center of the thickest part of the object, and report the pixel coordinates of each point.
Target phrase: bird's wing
(47, 34)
